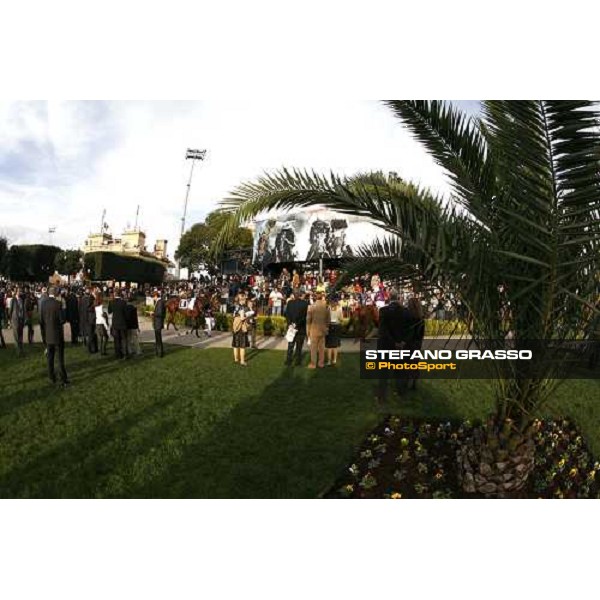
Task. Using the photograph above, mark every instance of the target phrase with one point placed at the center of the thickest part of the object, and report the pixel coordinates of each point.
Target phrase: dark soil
(417, 459)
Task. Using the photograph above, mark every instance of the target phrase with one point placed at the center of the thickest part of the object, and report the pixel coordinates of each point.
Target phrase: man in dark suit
(158, 322)
(43, 298)
(118, 309)
(16, 317)
(394, 332)
(133, 328)
(295, 314)
(52, 318)
(73, 316)
(92, 336)
(82, 305)
(2, 317)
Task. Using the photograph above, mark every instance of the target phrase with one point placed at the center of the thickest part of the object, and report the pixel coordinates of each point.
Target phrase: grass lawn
(195, 425)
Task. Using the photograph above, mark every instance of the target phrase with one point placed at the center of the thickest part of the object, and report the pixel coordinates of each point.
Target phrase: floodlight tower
(192, 155)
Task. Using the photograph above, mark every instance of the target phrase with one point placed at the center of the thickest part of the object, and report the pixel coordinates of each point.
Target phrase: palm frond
(456, 144)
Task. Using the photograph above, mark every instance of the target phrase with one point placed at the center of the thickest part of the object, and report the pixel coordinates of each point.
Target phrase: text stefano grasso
(449, 354)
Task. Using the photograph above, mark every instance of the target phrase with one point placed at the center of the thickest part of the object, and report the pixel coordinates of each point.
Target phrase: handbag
(290, 336)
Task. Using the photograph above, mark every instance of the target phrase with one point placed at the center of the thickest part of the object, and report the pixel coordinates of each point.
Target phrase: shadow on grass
(85, 466)
(290, 442)
(85, 369)
(289, 438)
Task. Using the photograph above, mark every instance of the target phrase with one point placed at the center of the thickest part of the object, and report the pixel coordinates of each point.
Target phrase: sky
(63, 162)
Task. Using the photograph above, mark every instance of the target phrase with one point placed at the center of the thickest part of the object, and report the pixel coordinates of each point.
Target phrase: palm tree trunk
(497, 460)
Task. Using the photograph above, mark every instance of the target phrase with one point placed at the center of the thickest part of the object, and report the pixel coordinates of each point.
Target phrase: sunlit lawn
(195, 425)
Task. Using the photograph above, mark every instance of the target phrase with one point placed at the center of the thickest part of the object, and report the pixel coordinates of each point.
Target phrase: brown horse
(196, 315)
(172, 306)
(362, 320)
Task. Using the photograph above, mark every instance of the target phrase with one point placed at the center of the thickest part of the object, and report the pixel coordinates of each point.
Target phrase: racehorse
(196, 314)
(172, 306)
(362, 320)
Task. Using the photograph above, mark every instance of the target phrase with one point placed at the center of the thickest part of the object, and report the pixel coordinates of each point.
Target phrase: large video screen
(310, 235)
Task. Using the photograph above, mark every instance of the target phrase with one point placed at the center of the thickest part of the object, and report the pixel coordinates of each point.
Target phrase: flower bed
(409, 459)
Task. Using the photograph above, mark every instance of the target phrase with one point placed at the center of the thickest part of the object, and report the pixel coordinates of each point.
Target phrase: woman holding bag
(240, 331)
(332, 339)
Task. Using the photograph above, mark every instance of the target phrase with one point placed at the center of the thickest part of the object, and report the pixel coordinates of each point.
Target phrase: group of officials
(91, 323)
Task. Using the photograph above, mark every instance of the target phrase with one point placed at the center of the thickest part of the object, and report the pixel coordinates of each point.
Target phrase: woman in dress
(251, 322)
(332, 340)
(240, 330)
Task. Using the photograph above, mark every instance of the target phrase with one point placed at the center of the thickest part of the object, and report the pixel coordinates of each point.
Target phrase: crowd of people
(94, 315)
(313, 307)
(270, 292)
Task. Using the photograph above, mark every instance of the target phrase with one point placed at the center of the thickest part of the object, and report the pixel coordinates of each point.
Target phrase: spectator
(158, 322)
(17, 319)
(276, 299)
(72, 316)
(251, 321)
(117, 308)
(102, 327)
(2, 317)
(52, 319)
(332, 340)
(133, 329)
(30, 305)
(92, 339)
(295, 314)
(240, 331)
(317, 325)
(394, 321)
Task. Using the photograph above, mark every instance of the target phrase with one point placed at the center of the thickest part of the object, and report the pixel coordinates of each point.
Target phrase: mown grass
(196, 425)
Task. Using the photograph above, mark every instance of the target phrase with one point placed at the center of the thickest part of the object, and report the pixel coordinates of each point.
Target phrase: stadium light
(193, 155)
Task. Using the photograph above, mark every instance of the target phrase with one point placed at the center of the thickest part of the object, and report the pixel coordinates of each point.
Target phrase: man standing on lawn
(158, 322)
(2, 313)
(317, 326)
(17, 319)
(133, 328)
(118, 309)
(82, 305)
(394, 332)
(73, 316)
(276, 298)
(295, 314)
(52, 319)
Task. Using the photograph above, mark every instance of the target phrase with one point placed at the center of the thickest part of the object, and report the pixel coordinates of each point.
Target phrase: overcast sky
(62, 163)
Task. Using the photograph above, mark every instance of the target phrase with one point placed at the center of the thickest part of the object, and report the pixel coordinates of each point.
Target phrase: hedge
(123, 267)
(278, 326)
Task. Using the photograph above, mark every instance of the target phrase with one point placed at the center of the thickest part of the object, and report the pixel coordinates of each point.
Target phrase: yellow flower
(396, 496)
(561, 463)
(573, 472)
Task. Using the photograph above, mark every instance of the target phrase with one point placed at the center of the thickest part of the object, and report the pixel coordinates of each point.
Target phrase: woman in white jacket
(102, 327)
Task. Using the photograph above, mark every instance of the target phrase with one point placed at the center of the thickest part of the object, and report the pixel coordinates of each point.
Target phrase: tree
(518, 240)
(196, 246)
(3, 254)
(68, 262)
(31, 262)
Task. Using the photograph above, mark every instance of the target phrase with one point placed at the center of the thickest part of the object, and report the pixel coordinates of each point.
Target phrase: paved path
(219, 339)
(222, 339)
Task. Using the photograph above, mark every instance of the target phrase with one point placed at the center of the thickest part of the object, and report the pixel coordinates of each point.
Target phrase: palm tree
(518, 241)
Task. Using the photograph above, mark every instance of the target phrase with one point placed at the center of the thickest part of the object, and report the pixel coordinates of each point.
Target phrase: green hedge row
(121, 267)
(277, 325)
